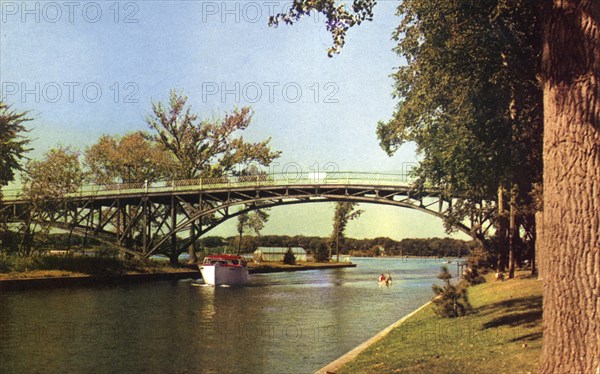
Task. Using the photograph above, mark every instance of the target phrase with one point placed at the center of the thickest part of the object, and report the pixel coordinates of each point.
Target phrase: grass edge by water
(502, 335)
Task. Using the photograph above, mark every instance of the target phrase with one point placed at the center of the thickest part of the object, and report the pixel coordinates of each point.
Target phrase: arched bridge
(167, 217)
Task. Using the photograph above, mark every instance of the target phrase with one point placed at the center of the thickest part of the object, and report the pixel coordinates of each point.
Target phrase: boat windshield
(221, 261)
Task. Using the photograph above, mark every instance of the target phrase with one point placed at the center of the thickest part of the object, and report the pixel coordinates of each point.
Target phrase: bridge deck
(300, 180)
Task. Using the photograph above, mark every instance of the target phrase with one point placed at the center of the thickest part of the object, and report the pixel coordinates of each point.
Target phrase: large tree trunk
(512, 236)
(501, 232)
(571, 238)
(533, 246)
(539, 245)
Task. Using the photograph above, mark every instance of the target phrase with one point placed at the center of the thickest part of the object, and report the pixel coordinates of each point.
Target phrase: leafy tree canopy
(338, 17)
(56, 175)
(134, 157)
(13, 142)
(209, 147)
(468, 95)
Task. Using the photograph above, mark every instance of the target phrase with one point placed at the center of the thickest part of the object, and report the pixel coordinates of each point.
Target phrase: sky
(87, 68)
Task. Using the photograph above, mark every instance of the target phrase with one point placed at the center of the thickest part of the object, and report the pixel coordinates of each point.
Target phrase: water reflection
(281, 323)
(207, 309)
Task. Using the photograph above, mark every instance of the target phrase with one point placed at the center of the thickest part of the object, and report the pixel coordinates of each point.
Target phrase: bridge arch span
(256, 203)
(146, 219)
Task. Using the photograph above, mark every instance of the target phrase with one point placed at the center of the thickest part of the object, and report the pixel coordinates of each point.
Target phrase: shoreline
(504, 330)
(278, 267)
(78, 280)
(335, 365)
(412, 257)
(19, 284)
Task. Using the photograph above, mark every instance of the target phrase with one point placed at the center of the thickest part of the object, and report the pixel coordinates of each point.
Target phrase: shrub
(481, 258)
(289, 258)
(450, 301)
(472, 277)
(322, 253)
(106, 251)
(5, 264)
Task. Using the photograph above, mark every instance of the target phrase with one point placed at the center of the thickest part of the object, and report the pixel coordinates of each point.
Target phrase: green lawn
(503, 335)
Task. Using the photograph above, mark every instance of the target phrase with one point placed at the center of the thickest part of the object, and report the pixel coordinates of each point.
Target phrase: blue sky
(88, 68)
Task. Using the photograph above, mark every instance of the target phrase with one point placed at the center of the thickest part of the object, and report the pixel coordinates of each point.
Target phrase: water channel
(292, 322)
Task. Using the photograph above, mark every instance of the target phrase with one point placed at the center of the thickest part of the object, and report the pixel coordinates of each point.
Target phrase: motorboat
(224, 269)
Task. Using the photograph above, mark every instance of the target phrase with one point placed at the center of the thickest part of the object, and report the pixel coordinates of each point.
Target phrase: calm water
(282, 323)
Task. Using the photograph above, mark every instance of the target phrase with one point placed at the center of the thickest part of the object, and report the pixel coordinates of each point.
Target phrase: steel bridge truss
(144, 222)
(165, 223)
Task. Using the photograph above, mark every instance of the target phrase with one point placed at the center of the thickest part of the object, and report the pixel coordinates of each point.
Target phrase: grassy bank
(73, 265)
(503, 335)
(51, 266)
(268, 267)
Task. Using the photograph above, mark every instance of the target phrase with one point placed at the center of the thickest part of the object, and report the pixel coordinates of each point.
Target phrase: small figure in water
(388, 279)
(381, 278)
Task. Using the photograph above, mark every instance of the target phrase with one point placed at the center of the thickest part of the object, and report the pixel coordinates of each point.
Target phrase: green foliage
(13, 142)
(321, 252)
(205, 148)
(52, 241)
(344, 213)
(338, 17)
(469, 99)
(107, 252)
(10, 241)
(131, 158)
(213, 241)
(254, 221)
(432, 247)
(289, 258)
(468, 95)
(480, 258)
(51, 178)
(93, 265)
(450, 301)
(472, 277)
(46, 185)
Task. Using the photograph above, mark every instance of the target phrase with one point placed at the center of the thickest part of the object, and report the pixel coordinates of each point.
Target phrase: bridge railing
(225, 182)
(11, 194)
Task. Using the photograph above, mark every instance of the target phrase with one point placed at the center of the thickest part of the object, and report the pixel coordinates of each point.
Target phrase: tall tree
(133, 158)
(13, 142)
(254, 221)
(46, 184)
(344, 213)
(571, 155)
(206, 148)
(571, 229)
(469, 99)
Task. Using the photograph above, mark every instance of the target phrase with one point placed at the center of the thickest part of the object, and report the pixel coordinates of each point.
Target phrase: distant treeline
(441, 247)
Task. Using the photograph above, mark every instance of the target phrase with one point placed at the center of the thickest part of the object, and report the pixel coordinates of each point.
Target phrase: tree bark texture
(571, 219)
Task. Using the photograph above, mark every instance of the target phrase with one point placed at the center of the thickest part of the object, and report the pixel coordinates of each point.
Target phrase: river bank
(502, 335)
(43, 279)
(277, 267)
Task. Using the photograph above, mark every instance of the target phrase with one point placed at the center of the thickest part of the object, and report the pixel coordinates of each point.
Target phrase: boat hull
(215, 275)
